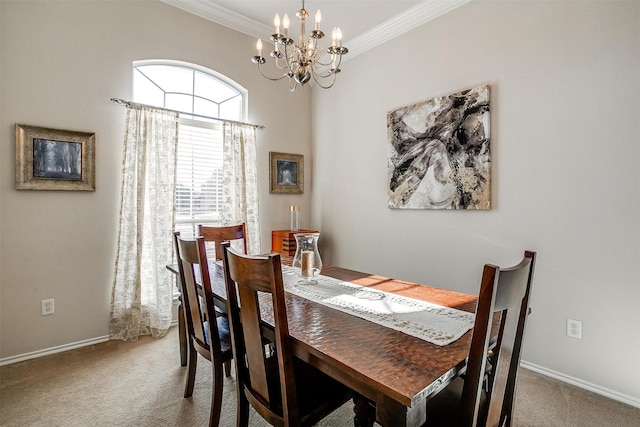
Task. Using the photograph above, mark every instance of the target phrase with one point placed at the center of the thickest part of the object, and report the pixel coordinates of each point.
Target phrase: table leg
(364, 410)
(390, 413)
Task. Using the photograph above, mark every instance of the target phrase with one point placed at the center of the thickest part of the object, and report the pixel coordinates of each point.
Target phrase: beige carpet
(141, 384)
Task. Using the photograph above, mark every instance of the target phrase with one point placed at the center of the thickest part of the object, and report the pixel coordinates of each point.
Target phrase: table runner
(434, 323)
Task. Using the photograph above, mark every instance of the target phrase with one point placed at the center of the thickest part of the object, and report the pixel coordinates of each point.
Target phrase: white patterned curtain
(142, 293)
(240, 181)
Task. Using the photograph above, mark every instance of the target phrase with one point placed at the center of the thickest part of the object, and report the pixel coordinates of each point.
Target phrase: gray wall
(565, 122)
(566, 182)
(62, 61)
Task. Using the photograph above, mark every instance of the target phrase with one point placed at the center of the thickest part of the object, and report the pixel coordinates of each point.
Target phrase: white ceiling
(354, 17)
(364, 24)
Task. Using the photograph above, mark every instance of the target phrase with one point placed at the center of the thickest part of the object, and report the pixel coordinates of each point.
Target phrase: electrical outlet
(574, 329)
(47, 307)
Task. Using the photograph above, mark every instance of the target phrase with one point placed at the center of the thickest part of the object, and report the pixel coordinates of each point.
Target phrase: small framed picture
(53, 159)
(286, 173)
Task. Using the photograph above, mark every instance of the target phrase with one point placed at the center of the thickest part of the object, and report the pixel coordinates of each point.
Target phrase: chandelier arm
(322, 75)
(337, 67)
(317, 78)
(273, 79)
(333, 66)
(332, 71)
(324, 64)
(282, 66)
(289, 60)
(282, 50)
(333, 81)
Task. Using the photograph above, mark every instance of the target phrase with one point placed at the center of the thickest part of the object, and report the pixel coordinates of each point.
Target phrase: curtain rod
(129, 103)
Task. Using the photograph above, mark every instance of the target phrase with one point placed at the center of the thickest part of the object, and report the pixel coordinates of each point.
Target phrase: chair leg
(227, 368)
(216, 395)
(242, 415)
(182, 335)
(192, 364)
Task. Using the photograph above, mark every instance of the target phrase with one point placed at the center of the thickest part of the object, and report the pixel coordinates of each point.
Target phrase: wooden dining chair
(485, 395)
(284, 390)
(207, 334)
(215, 235)
(223, 234)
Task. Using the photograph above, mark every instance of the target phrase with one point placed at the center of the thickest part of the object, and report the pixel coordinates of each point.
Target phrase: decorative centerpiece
(307, 262)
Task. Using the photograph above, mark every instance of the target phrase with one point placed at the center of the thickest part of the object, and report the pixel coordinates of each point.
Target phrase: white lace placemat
(431, 322)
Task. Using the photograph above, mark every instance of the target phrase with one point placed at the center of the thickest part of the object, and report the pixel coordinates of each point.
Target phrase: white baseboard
(611, 394)
(52, 350)
(58, 349)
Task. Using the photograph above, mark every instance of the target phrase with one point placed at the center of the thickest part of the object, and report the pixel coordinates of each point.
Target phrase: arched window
(201, 95)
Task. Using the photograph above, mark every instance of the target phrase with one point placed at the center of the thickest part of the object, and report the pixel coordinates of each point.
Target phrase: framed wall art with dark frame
(286, 173)
(54, 159)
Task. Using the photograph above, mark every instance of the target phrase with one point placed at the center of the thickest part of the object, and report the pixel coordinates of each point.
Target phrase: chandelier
(302, 61)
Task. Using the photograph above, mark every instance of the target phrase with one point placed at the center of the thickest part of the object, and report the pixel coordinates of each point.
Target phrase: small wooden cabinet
(283, 242)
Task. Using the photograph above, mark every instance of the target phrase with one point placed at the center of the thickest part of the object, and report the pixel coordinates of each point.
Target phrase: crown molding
(406, 21)
(411, 18)
(222, 16)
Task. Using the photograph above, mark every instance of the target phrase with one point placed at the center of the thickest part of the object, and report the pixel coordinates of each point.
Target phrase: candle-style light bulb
(259, 47)
(276, 22)
(333, 37)
(338, 37)
(285, 24)
(318, 19)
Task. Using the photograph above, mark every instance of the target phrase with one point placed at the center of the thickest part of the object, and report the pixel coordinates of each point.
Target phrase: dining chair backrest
(505, 291)
(221, 234)
(245, 278)
(194, 268)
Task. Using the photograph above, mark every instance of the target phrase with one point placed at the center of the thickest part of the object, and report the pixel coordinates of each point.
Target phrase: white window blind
(198, 175)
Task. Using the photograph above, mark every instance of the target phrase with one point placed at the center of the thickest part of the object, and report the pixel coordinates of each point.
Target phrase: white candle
(318, 19)
(276, 22)
(259, 47)
(307, 263)
(285, 24)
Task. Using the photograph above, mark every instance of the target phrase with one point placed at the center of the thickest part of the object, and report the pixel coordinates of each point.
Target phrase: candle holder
(307, 262)
(294, 218)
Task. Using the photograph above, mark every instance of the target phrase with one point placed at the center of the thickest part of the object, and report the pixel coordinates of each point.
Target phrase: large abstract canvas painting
(439, 153)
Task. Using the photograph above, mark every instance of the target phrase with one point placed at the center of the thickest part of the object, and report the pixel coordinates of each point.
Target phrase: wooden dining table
(393, 374)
